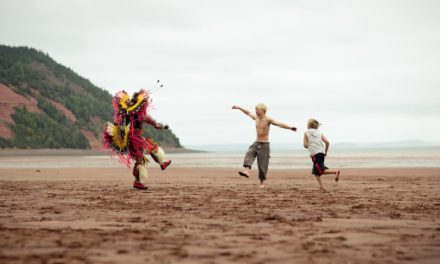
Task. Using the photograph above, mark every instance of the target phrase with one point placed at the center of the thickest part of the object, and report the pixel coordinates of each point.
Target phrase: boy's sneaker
(165, 164)
(139, 185)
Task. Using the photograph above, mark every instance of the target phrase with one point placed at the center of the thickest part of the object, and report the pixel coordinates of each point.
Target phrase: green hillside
(33, 74)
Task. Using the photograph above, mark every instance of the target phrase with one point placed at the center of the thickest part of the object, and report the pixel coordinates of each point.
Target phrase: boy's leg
(263, 156)
(249, 159)
(318, 178)
(335, 172)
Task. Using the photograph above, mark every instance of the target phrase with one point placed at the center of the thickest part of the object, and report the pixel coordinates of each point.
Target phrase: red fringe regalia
(124, 135)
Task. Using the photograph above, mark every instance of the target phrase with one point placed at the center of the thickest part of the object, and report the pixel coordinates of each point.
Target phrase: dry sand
(215, 216)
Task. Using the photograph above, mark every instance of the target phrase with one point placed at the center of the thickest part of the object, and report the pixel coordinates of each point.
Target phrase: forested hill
(44, 104)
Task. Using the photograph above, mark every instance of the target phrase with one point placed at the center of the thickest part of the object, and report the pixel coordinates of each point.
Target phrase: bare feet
(262, 186)
(337, 175)
(244, 173)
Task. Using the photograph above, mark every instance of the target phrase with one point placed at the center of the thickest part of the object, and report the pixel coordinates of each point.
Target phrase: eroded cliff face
(10, 101)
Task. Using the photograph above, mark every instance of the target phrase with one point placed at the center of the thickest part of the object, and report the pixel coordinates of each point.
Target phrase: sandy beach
(212, 215)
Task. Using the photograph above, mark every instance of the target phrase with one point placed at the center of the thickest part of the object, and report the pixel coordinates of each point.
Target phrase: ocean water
(299, 159)
(280, 159)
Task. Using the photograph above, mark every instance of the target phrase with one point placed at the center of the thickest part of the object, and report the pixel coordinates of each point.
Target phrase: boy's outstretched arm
(246, 112)
(306, 141)
(279, 124)
(327, 143)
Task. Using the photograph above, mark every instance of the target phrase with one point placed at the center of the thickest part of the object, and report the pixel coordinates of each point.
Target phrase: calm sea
(280, 159)
(299, 159)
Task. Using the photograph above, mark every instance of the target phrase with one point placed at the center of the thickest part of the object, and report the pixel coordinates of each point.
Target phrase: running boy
(314, 141)
(260, 149)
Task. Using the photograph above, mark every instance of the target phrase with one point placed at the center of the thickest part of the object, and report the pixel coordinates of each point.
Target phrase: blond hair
(262, 107)
(313, 123)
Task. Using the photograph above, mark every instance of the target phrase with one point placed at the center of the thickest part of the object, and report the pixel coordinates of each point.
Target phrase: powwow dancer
(124, 135)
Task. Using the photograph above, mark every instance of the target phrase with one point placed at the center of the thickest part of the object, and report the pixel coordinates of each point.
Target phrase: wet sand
(212, 215)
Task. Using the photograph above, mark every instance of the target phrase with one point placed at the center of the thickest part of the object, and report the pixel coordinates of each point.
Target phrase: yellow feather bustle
(118, 142)
(123, 100)
(140, 98)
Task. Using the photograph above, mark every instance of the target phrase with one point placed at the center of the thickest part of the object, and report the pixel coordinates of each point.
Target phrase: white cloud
(350, 63)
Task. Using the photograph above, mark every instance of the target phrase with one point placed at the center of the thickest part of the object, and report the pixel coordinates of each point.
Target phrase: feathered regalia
(124, 135)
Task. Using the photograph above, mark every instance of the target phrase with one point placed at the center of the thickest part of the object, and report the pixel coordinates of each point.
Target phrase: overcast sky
(368, 70)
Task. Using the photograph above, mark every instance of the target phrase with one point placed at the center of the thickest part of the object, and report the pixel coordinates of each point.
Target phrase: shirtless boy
(260, 149)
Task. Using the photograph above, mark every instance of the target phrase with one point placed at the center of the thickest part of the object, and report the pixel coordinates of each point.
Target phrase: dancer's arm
(282, 125)
(150, 121)
(246, 112)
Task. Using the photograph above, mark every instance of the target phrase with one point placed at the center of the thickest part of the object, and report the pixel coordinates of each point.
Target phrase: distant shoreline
(76, 152)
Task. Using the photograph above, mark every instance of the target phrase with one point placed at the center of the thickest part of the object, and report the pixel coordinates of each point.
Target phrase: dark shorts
(318, 164)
